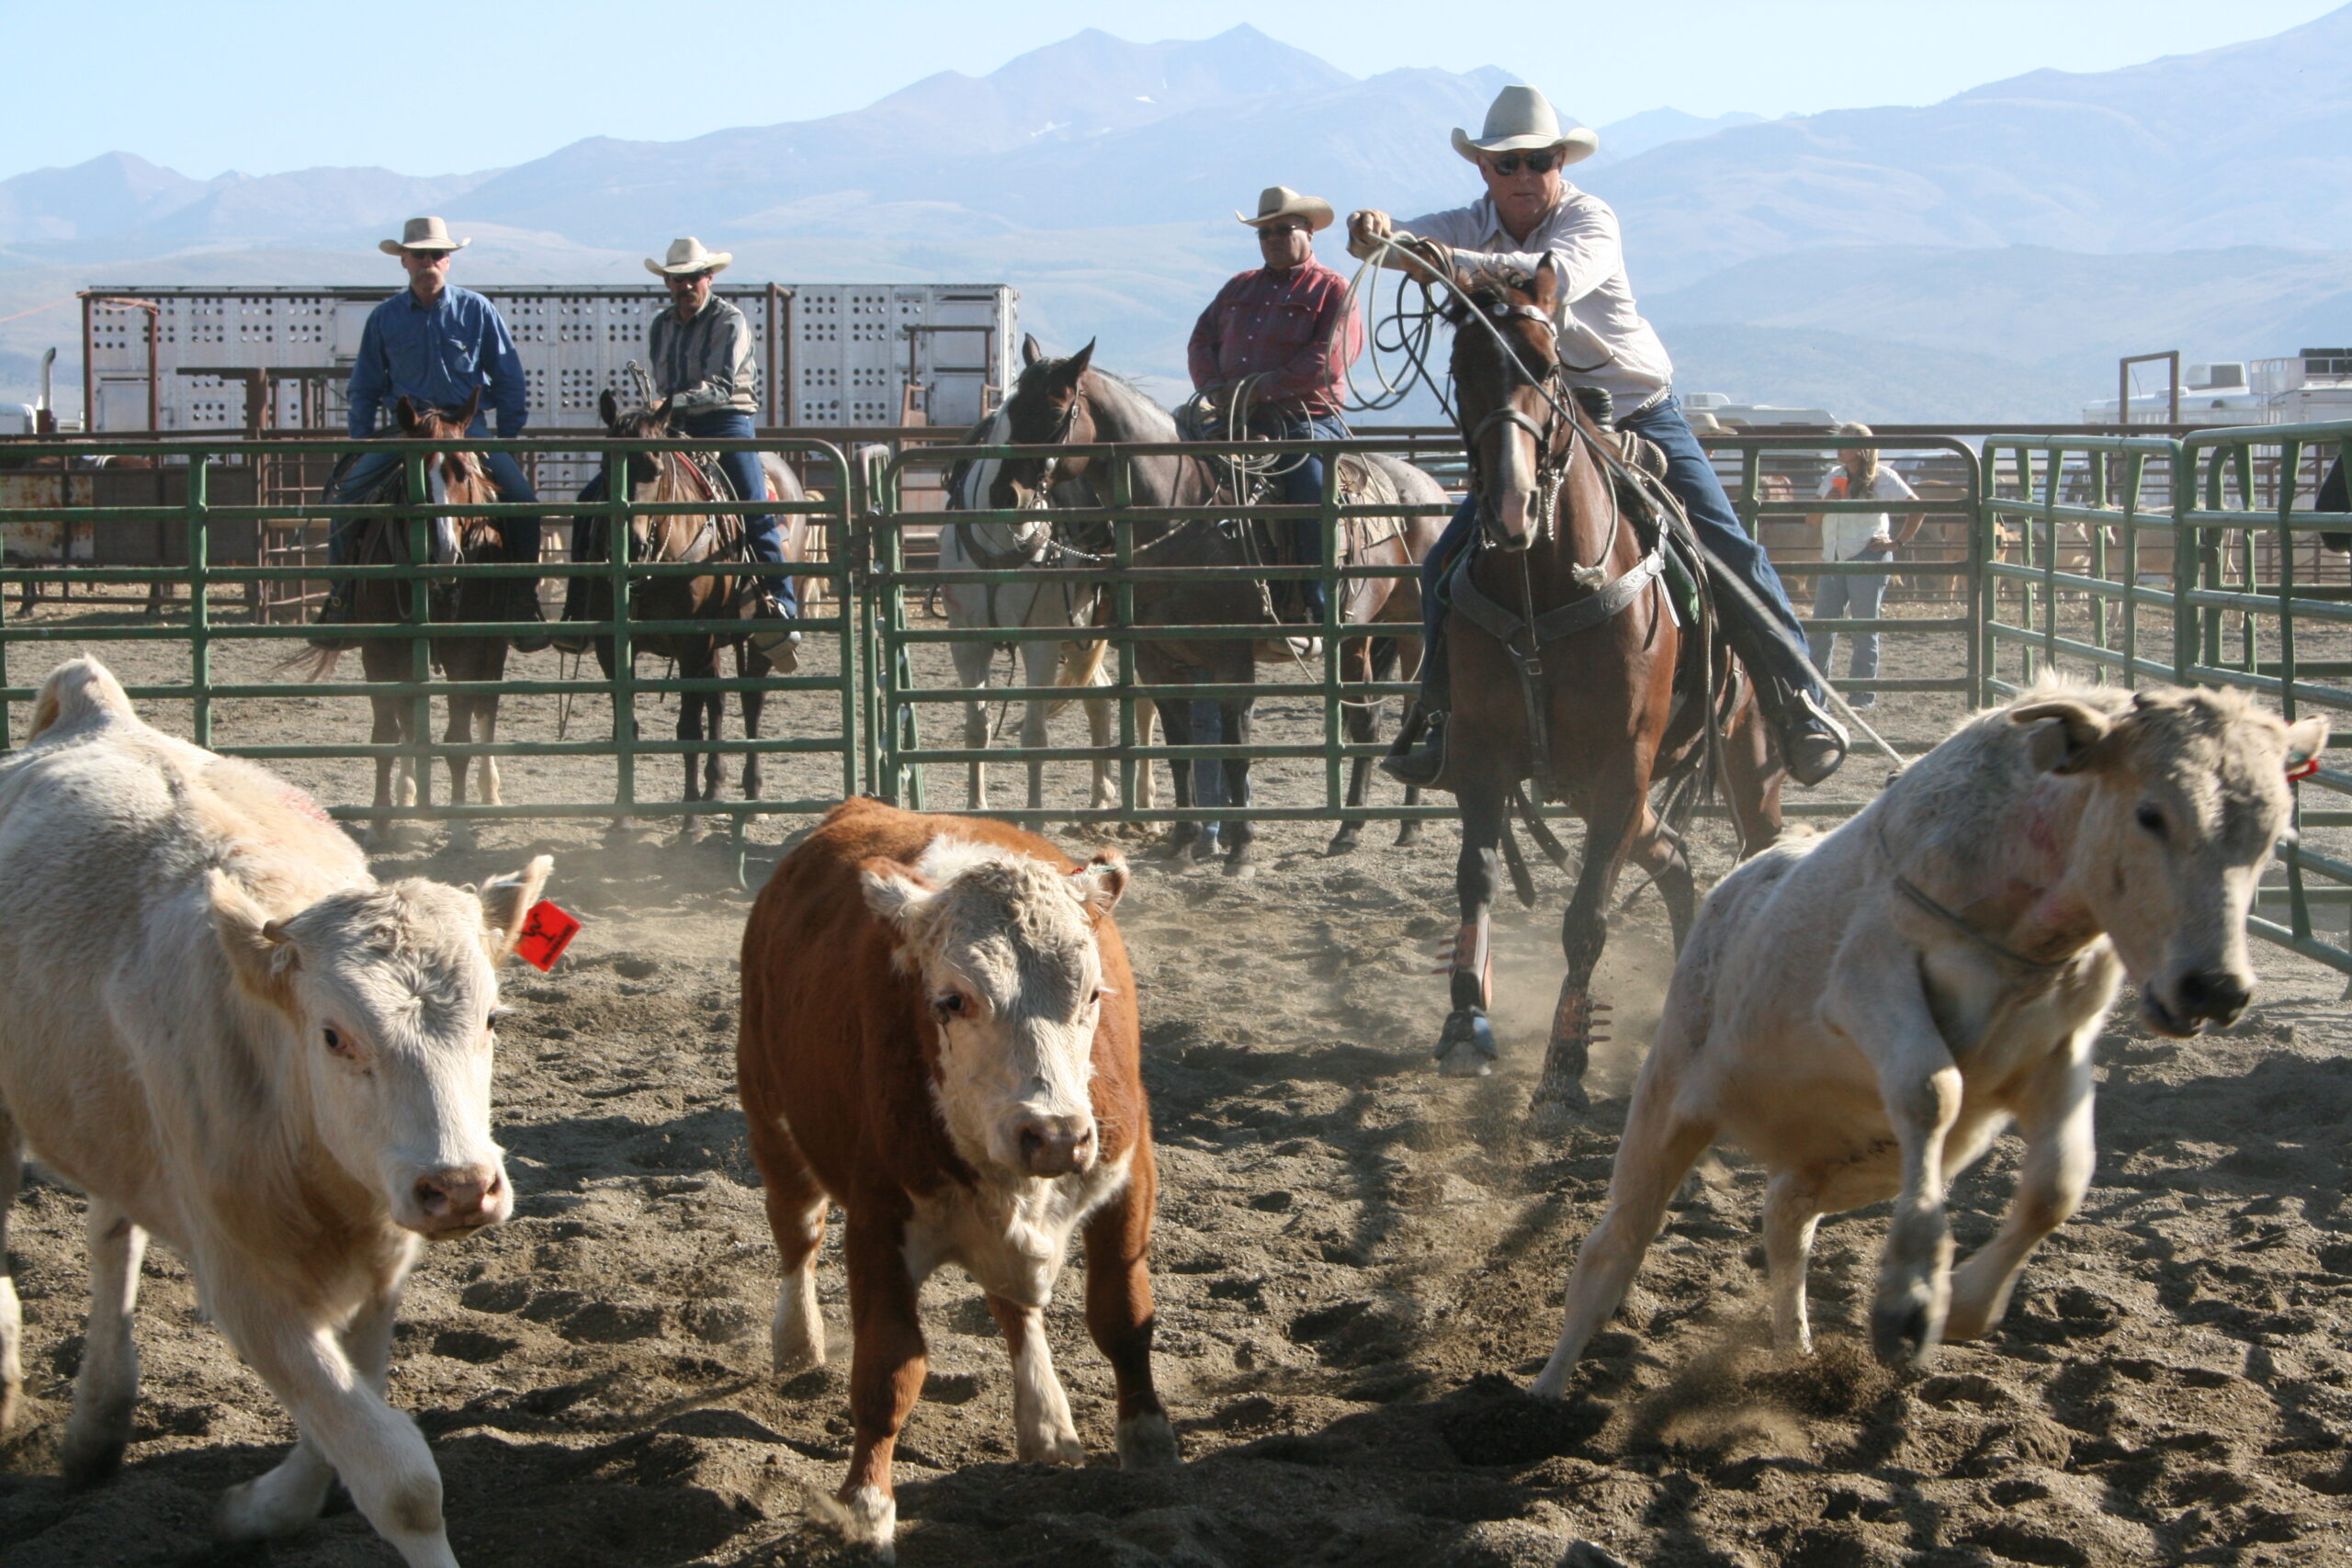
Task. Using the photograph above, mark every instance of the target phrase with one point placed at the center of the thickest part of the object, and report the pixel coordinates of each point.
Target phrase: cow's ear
(259, 954)
(896, 892)
(506, 903)
(2306, 739)
(1100, 881)
(2068, 734)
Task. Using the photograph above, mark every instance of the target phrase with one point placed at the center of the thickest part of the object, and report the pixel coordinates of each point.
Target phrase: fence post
(200, 626)
(617, 564)
(1123, 602)
(419, 613)
(1334, 730)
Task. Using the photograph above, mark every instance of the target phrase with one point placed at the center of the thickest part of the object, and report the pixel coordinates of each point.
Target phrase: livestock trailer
(197, 359)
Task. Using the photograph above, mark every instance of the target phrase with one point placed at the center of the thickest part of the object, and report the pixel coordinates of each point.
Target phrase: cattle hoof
(1147, 1442)
(1902, 1335)
(869, 1516)
(86, 1461)
(1050, 1447)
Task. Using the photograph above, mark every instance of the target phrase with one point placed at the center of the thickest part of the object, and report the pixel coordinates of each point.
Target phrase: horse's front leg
(1361, 727)
(1176, 728)
(386, 732)
(973, 661)
(1040, 664)
(1241, 860)
(1465, 1048)
(623, 721)
(1614, 821)
(749, 663)
(458, 732)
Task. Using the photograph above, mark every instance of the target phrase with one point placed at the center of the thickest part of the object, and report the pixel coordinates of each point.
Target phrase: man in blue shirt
(437, 345)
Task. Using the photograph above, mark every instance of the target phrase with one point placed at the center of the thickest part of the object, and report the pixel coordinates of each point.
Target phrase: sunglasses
(1282, 228)
(1541, 162)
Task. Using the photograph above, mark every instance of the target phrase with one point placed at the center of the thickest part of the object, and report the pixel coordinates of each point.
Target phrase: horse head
(1048, 408)
(451, 477)
(1514, 409)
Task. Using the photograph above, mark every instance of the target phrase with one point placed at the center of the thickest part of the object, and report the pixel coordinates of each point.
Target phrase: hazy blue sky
(266, 85)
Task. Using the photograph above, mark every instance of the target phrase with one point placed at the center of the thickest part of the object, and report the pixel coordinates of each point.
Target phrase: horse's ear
(608, 409)
(473, 407)
(1068, 371)
(662, 411)
(1545, 285)
(1031, 350)
(405, 411)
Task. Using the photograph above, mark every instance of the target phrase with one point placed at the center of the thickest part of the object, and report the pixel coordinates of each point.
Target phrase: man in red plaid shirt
(1288, 325)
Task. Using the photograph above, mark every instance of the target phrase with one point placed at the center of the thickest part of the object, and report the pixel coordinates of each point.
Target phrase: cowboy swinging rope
(1412, 332)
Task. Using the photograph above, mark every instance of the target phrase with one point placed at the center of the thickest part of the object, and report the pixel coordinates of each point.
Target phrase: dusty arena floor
(1358, 1266)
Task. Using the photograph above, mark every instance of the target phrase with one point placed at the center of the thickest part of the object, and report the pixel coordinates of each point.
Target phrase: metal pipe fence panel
(1306, 742)
(224, 654)
(2192, 560)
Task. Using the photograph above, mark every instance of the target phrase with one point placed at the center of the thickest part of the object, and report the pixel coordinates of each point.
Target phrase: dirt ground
(1358, 1266)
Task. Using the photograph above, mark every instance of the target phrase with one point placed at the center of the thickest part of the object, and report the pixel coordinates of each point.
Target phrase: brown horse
(454, 479)
(1579, 676)
(1067, 403)
(721, 597)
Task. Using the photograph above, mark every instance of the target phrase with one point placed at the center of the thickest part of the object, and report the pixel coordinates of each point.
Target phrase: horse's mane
(1115, 395)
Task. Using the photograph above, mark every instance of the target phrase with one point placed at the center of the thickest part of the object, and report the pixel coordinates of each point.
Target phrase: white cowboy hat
(421, 234)
(1280, 201)
(686, 257)
(1521, 119)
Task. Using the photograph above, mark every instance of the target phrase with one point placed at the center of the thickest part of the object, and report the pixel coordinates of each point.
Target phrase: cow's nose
(459, 1195)
(1056, 1146)
(2215, 994)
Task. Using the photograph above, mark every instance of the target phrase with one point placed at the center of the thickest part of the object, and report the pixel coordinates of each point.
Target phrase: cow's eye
(2149, 817)
(338, 1043)
(497, 1016)
(949, 1003)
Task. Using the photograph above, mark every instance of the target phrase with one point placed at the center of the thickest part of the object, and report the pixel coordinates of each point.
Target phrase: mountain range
(1986, 257)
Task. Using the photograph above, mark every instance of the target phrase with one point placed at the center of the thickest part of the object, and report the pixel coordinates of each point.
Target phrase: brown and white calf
(222, 1029)
(1866, 1011)
(939, 1034)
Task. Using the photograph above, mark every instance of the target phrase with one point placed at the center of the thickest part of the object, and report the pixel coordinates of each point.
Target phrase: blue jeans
(520, 534)
(1301, 483)
(1855, 598)
(1692, 479)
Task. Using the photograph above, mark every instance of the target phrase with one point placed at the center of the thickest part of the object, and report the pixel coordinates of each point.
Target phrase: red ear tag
(2304, 769)
(546, 932)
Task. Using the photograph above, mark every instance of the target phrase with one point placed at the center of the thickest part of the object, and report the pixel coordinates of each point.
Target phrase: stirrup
(1812, 742)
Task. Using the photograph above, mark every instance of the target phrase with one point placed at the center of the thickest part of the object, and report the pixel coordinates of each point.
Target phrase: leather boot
(1419, 756)
(1812, 744)
(523, 604)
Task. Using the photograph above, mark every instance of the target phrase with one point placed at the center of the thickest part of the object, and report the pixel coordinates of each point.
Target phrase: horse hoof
(1467, 1048)
(1408, 833)
(1346, 841)
(1242, 861)
(1461, 1062)
(459, 838)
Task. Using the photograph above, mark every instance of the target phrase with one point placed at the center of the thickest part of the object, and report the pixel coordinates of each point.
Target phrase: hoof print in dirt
(1495, 1423)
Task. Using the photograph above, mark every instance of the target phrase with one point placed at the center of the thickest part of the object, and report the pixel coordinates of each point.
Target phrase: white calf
(222, 1029)
(1866, 1011)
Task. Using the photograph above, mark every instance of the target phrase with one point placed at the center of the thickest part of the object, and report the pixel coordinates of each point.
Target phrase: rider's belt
(1566, 620)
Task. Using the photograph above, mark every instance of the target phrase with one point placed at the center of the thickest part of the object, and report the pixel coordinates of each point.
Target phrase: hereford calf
(225, 1032)
(1866, 1011)
(939, 1034)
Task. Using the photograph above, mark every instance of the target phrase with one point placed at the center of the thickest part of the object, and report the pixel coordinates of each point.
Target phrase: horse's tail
(310, 663)
(1080, 675)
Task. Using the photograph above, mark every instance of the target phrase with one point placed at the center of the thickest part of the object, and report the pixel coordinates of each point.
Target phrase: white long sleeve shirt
(1599, 325)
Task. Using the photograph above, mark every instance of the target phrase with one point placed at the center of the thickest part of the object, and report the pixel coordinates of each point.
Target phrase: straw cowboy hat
(421, 234)
(1521, 119)
(1280, 201)
(686, 257)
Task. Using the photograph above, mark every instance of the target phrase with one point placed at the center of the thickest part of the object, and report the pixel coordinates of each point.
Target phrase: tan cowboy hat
(686, 257)
(1280, 201)
(1521, 119)
(421, 234)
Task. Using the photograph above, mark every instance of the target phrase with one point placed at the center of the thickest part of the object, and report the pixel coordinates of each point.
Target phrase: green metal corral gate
(2114, 558)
